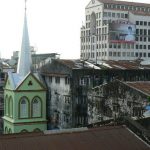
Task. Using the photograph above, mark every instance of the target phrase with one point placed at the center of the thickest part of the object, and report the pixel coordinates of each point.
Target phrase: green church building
(24, 94)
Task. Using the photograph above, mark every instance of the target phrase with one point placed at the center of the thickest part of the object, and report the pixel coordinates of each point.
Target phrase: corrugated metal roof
(109, 64)
(77, 64)
(126, 65)
(103, 138)
(143, 86)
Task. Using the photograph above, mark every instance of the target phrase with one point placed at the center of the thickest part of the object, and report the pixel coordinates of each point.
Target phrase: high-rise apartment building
(116, 30)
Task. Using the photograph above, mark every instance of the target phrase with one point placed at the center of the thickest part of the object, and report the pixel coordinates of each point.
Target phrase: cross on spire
(25, 5)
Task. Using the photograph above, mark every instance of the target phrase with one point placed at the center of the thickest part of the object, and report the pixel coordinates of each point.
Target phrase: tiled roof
(103, 138)
(125, 3)
(143, 86)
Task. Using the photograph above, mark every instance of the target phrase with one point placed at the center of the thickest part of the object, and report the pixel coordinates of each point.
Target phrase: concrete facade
(96, 41)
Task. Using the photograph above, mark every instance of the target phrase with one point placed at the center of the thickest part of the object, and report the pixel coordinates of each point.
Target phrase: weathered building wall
(59, 102)
(115, 99)
(82, 78)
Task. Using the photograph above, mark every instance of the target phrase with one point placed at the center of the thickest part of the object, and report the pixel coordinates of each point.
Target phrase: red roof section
(103, 138)
(143, 86)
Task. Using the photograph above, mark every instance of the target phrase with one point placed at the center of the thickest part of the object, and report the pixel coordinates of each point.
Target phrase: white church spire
(24, 63)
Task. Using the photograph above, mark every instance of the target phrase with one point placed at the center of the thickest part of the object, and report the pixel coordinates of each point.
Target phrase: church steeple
(25, 62)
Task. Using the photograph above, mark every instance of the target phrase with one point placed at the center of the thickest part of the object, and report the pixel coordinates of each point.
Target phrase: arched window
(93, 24)
(36, 107)
(24, 108)
(37, 130)
(10, 107)
(24, 131)
(6, 130)
(6, 105)
(9, 131)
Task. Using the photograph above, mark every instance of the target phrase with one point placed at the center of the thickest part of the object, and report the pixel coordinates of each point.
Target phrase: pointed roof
(15, 80)
(24, 63)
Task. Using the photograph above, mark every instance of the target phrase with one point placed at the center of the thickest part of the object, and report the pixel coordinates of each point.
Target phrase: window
(144, 54)
(126, 15)
(119, 46)
(145, 23)
(141, 31)
(85, 81)
(124, 54)
(67, 80)
(118, 15)
(141, 46)
(57, 80)
(137, 31)
(128, 54)
(10, 107)
(110, 53)
(110, 45)
(105, 14)
(132, 54)
(140, 54)
(137, 22)
(109, 14)
(37, 130)
(9, 131)
(6, 130)
(113, 15)
(24, 108)
(67, 99)
(36, 107)
(136, 55)
(122, 15)
(6, 105)
(141, 23)
(99, 14)
(114, 54)
(145, 32)
(24, 131)
(119, 54)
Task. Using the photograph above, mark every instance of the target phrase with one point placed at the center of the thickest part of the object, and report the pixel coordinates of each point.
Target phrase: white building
(115, 30)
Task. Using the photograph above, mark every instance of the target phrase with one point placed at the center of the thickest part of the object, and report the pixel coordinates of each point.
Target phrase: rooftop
(125, 3)
(142, 86)
(125, 64)
(104, 138)
(110, 64)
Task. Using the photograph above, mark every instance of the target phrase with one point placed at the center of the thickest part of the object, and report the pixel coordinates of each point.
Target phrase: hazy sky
(54, 25)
